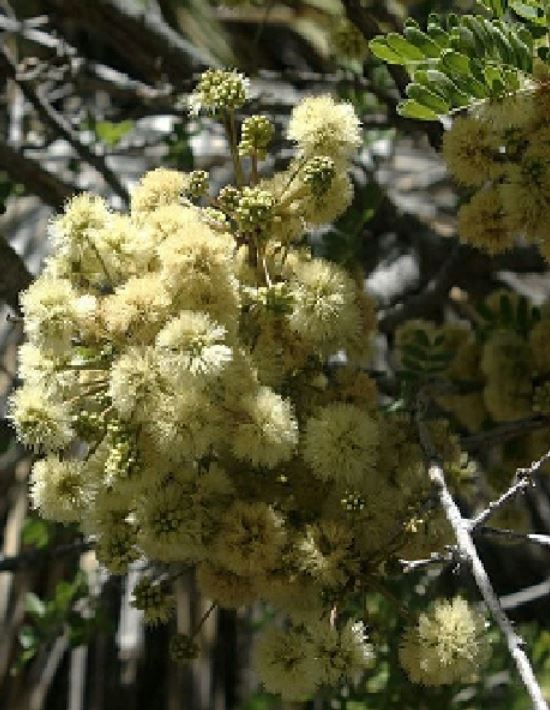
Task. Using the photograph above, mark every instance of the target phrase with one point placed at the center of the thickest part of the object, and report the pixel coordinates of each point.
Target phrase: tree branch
(32, 174)
(527, 595)
(142, 37)
(62, 127)
(112, 80)
(469, 554)
(515, 536)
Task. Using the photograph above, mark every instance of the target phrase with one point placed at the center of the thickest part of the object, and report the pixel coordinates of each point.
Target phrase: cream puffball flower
(322, 126)
(341, 444)
(447, 645)
(268, 432)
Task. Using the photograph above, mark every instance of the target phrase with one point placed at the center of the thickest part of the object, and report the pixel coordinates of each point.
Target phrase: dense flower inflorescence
(501, 152)
(179, 379)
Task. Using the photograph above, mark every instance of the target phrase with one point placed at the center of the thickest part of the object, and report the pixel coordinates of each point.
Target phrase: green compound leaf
(412, 109)
(404, 48)
(423, 42)
(532, 11)
(459, 60)
(380, 48)
(455, 62)
(427, 98)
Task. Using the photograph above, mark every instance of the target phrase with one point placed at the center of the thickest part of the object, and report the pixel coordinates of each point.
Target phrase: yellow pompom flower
(251, 539)
(525, 193)
(484, 222)
(342, 653)
(57, 489)
(134, 383)
(324, 311)
(192, 342)
(157, 188)
(341, 444)
(321, 126)
(74, 231)
(266, 432)
(136, 311)
(40, 420)
(336, 199)
(285, 662)
(447, 645)
(326, 553)
(470, 149)
(54, 312)
(229, 590)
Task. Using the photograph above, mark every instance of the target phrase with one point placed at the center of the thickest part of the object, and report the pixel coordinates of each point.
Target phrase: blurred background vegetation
(92, 94)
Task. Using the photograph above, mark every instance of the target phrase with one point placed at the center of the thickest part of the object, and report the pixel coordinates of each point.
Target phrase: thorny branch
(468, 553)
(523, 478)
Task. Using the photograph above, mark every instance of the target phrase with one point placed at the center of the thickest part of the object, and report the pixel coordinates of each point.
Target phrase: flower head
(219, 90)
(341, 444)
(447, 645)
(41, 421)
(322, 126)
(286, 664)
(57, 489)
(268, 432)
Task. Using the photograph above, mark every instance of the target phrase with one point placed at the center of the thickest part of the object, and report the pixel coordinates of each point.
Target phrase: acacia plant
(198, 385)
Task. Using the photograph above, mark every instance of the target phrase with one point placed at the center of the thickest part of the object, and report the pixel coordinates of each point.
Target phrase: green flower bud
(116, 546)
(228, 198)
(183, 649)
(219, 90)
(256, 134)
(155, 599)
(348, 42)
(216, 218)
(122, 460)
(254, 212)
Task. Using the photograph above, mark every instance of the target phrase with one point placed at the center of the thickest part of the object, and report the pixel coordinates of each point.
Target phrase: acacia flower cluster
(179, 387)
(501, 152)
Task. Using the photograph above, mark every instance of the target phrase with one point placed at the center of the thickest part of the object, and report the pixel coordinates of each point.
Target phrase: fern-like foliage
(459, 60)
